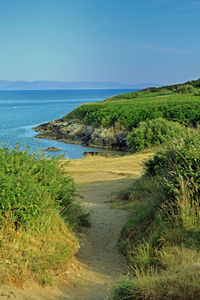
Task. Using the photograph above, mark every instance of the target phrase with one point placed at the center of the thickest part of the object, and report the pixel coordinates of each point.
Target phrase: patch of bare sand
(99, 264)
(93, 169)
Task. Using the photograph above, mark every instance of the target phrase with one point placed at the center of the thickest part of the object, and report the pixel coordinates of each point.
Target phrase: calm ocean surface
(22, 110)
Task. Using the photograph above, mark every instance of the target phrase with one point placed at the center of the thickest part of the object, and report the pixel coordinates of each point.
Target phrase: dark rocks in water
(95, 153)
(75, 132)
(53, 149)
(92, 153)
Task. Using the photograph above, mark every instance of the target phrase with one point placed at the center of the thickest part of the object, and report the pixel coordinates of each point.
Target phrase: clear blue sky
(128, 41)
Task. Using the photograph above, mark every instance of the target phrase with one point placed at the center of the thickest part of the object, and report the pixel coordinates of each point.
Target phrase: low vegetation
(190, 87)
(175, 102)
(161, 240)
(148, 117)
(127, 114)
(154, 132)
(38, 217)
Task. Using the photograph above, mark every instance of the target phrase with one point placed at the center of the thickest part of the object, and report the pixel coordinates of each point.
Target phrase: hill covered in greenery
(189, 87)
(175, 102)
(184, 108)
(119, 121)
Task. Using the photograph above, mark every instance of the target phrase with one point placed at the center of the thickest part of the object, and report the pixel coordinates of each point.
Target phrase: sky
(127, 41)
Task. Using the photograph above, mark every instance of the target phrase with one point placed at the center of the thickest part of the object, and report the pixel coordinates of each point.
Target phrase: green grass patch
(190, 87)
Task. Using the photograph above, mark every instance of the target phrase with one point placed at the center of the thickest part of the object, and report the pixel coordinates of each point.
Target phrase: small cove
(22, 110)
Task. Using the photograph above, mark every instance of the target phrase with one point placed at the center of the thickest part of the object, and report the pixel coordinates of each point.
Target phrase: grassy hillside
(38, 217)
(190, 87)
(161, 240)
(176, 102)
(183, 108)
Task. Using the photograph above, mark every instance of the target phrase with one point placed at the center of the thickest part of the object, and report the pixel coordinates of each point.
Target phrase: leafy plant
(180, 159)
(153, 132)
(30, 185)
(38, 217)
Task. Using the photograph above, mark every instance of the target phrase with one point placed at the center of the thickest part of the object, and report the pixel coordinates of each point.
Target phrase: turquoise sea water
(22, 110)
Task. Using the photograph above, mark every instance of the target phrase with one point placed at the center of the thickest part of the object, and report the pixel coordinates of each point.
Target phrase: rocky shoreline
(75, 132)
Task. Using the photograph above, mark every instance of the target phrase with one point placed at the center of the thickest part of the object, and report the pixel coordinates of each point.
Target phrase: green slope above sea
(114, 122)
(176, 102)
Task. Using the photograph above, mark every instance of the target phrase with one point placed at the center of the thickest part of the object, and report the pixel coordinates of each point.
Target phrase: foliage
(124, 290)
(29, 185)
(180, 283)
(162, 239)
(153, 132)
(180, 159)
(184, 108)
(37, 217)
(185, 88)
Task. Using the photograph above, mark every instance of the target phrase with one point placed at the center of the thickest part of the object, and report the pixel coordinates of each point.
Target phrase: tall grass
(37, 217)
(162, 240)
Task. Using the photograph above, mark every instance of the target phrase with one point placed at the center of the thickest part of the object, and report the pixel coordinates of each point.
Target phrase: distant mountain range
(58, 85)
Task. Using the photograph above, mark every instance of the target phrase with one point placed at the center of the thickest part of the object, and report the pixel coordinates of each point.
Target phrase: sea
(20, 111)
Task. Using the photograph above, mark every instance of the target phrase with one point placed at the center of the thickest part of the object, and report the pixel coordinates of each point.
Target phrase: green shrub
(38, 217)
(30, 185)
(153, 132)
(181, 159)
(124, 290)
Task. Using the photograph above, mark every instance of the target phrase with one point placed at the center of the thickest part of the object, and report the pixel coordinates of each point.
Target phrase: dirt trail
(99, 264)
(100, 261)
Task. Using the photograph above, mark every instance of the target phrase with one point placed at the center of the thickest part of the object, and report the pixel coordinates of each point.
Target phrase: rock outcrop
(75, 132)
(53, 149)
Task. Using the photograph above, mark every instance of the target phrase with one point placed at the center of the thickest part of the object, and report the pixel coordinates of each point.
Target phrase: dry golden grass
(37, 253)
(93, 169)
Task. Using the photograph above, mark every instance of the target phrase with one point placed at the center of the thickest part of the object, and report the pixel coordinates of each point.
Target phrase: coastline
(74, 131)
(37, 107)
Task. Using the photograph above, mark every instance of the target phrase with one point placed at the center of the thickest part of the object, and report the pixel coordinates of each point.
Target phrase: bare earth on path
(99, 264)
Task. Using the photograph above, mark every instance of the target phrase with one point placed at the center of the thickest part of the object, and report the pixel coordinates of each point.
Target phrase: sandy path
(100, 261)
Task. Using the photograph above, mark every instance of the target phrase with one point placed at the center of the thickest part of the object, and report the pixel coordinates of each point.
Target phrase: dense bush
(153, 132)
(30, 184)
(180, 159)
(184, 108)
